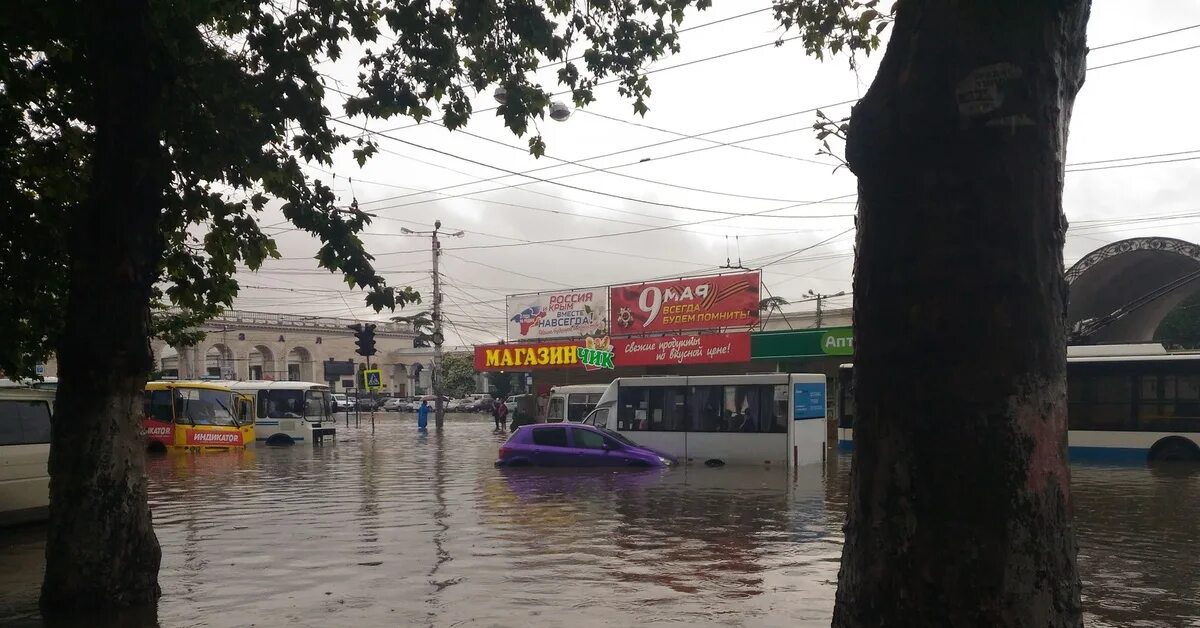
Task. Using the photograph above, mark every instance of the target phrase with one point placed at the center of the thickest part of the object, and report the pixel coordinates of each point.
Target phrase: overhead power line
(1144, 37)
(623, 175)
(567, 185)
(1160, 54)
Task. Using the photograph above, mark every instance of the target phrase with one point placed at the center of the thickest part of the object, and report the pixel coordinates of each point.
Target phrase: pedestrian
(423, 415)
(499, 413)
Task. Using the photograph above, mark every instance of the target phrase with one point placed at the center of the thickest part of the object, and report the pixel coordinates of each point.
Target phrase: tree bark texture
(101, 551)
(960, 510)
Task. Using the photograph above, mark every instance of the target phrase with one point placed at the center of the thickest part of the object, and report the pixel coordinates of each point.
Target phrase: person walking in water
(499, 413)
(423, 415)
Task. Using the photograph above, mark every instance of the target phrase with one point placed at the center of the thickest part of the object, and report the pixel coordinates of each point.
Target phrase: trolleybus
(1125, 403)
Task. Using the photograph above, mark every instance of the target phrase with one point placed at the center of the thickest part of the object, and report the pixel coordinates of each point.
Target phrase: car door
(550, 447)
(590, 449)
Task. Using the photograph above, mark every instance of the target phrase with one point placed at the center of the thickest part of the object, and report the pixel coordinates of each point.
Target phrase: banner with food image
(718, 301)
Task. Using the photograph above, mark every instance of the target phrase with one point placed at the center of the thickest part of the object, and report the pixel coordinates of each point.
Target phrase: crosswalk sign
(372, 379)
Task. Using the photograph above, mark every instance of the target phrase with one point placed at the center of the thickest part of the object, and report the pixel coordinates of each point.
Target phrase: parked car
(575, 445)
(342, 402)
(395, 404)
(368, 404)
(460, 405)
(512, 403)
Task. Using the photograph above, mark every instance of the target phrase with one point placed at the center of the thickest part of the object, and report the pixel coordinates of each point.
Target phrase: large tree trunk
(960, 512)
(101, 550)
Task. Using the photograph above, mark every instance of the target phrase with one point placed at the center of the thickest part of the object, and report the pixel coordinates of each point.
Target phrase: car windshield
(617, 437)
(294, 404)
(200, 406)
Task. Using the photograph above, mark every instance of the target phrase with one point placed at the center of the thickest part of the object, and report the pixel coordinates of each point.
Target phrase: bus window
(157, 405)
(1168, 403)
(203, 407)
(1105, 402)
(652, 408)
(779, 409)
(555, 411)
(316, 405)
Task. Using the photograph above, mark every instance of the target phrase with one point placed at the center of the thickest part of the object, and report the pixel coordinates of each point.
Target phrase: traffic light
(365, 335)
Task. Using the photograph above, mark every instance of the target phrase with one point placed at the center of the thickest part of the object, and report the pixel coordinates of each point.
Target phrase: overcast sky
(1140, 108)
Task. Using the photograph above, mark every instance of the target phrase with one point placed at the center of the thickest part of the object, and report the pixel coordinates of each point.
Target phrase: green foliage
(834, 25)
(422, 324)
(458, 375)
(243, 111)
(500, 383)
(771, 303)
(1181, 328)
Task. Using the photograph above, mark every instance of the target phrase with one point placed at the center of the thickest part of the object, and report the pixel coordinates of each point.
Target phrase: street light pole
(435, 378)
(820, 299)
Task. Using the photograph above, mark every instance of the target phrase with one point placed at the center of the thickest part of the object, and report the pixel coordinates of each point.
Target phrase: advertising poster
(685, 304)
(567, 314)
(682, 349)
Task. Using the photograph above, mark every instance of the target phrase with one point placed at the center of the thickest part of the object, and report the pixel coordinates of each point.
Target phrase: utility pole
(820, 299)
(435, 377)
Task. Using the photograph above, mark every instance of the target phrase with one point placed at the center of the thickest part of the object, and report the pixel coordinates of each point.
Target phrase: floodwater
(398, 528)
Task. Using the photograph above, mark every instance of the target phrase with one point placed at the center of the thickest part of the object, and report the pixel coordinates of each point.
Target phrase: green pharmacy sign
(838, 341)
(802, 343)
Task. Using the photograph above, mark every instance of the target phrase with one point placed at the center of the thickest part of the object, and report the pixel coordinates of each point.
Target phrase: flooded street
(405, 529)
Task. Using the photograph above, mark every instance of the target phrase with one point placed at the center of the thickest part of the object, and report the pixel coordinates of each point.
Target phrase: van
(572, 403)
(24, 454)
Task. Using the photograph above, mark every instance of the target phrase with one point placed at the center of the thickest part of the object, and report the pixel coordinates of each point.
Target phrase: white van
(572, 403)
(288, 412)
(24, 454)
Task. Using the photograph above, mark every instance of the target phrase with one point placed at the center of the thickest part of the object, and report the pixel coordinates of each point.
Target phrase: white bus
(1125, 403)
(572, 403)
(289, 412)
(773, 419)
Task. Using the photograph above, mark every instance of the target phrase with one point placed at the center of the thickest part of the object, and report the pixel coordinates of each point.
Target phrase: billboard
(683, 349)
(606, 353)
(567, 314)
(685, 304)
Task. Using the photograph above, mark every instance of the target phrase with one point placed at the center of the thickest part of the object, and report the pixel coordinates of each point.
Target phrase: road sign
(372, 379)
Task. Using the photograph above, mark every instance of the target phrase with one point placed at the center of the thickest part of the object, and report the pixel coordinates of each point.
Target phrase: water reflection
(405, 528)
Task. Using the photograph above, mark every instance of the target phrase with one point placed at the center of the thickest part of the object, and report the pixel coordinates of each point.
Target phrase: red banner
(684, 349)
(205, 438)
(682, 304)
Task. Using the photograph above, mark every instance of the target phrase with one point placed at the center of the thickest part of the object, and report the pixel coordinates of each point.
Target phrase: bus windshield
(294, 404)
(199, 406)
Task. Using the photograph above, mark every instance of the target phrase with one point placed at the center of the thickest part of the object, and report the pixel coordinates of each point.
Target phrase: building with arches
(1121, 292)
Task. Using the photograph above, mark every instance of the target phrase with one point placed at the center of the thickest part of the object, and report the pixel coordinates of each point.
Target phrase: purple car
(575, 445)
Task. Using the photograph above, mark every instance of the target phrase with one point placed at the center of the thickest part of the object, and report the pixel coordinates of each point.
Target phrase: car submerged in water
(575, 445)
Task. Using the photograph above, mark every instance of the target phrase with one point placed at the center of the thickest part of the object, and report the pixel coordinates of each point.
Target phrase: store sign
(574, 313)
(838, 341)
(534, 355)
(685, 349)
(609, 353)
(685, 304)
(803, 343)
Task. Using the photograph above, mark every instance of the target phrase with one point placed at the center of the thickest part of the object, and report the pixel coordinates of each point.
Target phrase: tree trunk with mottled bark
(101, 551)
(960, 510)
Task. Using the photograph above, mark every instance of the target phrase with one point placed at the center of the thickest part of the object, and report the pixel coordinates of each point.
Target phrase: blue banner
(808, 401)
